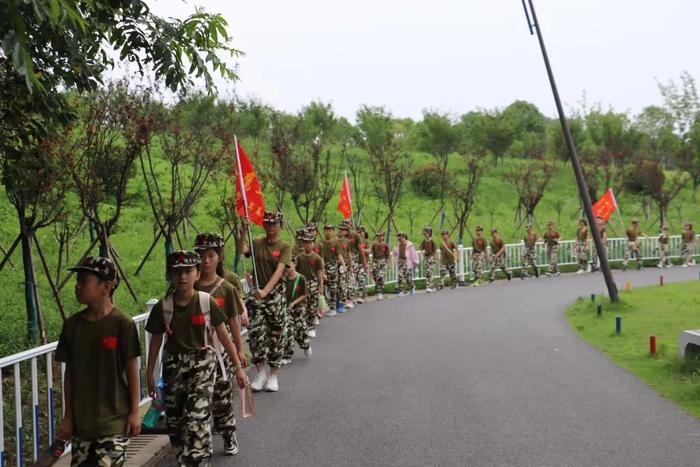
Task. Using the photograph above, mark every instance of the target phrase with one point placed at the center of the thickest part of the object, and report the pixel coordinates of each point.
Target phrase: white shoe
(308, 352)
(331, 313)
(286, 361)
(428, 290)
(402, 294)
(580, 271)
(272, 384)
(259, 380)
(685, 265)
(360, 300)
(349, 304)
(312, 333)
(380, 297)
(316, 321)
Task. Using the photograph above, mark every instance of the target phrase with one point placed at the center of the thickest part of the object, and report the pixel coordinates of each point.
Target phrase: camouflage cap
(479, 228)
(183, 259)
(444, 232)
(528, 226)
(379, 233)
(401, 235)
(427, 229)
(308, 237)
(100, 266)
(301, 233)
(360, 228)
(273, 217)
(329, 227)
(635, 221)
(205, 241)
(344, 225)
(493, 231)
(293, 258)
(550, 222)
(312, 226)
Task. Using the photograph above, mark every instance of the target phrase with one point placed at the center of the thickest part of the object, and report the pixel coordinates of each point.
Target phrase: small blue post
(618, 325)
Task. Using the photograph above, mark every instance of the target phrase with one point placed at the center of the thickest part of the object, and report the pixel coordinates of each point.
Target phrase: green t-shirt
(551, 238)
(447, 254)
(187, 324)
(268, 256)
(96, 353)
(226, 297)
(301, 288)
(329, 250)
(310, 265)
(343, 248)
(380, 250)
(428, 247)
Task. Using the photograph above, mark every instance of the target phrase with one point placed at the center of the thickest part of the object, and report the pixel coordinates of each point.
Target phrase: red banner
(345, 201)
(253, 191)
(605, 206)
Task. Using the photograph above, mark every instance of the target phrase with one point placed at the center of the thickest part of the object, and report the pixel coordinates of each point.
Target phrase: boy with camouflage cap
(664, 240)
(380, 256)
(99, 346)
(297, 295)
(448, 260)
(551, 238)
(359, 263)
(529, 242)
(687, 245)
(498, 256)
(333, 260)
(632, 250)
(479, 246)
(195, 331)
(268, 304)
(428, 247)
(345, 271)
(311, 266)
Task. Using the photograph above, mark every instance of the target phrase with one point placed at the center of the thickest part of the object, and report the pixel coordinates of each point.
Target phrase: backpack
(209, 332)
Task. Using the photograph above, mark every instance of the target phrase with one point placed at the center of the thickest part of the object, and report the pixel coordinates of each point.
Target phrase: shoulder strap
(294, 287)
(167, 304)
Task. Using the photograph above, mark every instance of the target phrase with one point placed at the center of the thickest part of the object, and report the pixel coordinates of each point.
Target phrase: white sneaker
(380, 297)
(429, 290)
(259, 380)
(580, 271)
(312, 333)
(316, 321)
(360, 300)
(685, 265)
(402, 294)
(286, 361)
(308, 352)
(349, 304)
(331, 313)
(272, 384)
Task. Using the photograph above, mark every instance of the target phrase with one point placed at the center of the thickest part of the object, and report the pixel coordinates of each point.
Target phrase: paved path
(471, 377)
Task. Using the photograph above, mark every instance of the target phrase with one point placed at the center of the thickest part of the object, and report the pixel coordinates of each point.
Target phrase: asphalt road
(471, 377)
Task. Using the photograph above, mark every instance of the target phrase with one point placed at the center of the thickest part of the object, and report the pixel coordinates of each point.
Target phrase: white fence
(46, 375)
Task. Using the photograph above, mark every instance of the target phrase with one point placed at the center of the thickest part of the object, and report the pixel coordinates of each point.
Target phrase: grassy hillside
(495, 207)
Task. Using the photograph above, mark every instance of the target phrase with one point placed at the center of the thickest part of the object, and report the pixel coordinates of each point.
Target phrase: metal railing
(42, 390)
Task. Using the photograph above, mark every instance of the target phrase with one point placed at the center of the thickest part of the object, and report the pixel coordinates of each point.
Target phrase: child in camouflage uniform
(190, 319)
(581, 246)
(297, 294)
(332, 260)
(380, 256)
(687, 245)
(478, 254)
(448, 260)
(345, 271)
(551, 239)
(99, 346)
(664, 261)
(268, 327)
(359, 263)
(210, 246)
(632, 250)
(600, 223)
(428, 247)
(529, 242)
(407, 259)
(311, 266)
(498, 256)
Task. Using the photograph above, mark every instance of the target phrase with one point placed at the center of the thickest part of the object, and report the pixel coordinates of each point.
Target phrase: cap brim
(90, 270)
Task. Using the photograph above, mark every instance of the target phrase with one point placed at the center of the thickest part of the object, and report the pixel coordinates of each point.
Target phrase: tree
(647, 178)
(388, 160)
(530, 181)
(488, 130)
(521, 118)
(438, 136)
(463, 191)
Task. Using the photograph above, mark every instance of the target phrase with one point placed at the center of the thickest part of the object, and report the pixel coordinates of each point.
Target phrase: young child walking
(429, 249)
(297, 295)
(380, 256)
(99, 346)
(194, 329)
(311, 266)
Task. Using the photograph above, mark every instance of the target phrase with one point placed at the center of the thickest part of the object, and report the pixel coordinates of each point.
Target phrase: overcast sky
(454, 56)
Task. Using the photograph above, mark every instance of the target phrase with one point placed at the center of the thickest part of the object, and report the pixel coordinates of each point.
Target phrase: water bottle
(156, 409)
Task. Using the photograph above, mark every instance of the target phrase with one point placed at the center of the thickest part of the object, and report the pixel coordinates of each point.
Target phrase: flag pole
(617, 208)
(245, 209)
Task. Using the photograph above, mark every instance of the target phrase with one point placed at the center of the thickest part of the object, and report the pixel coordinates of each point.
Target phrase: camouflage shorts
(448, 270)
(687, 253)
(429, 269)
(312, 304)
(360, 277)
(581, 252)
(378, 274)
(528, 256)
(478, 259)
(331, 289)
(497, 262)
(297, 331)
(222, 405)
(553, 256)
(405, 276)
(104, 451)
(268, 327)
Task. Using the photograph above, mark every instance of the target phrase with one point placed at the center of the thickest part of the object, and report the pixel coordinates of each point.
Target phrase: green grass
(496, 202)
(660, 311)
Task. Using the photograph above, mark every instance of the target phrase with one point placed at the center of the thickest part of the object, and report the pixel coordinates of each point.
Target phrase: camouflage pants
(553, 256)
(429, 270)
(478, 259)
(528, 260)
(596, 259)
(222, 405)
(404, 280)
(359, 278)
(663, 255)
(687, 253)
(106, 451)
(497, 262)
(189, 389)
(632, 251)
(344, 285)
(298, 331)
(331, 284)
(448, 270)
(268, 327)
(312, 304)
(581, 253)
(378, 274)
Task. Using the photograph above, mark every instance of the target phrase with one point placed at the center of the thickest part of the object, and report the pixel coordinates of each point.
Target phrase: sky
(453, 56)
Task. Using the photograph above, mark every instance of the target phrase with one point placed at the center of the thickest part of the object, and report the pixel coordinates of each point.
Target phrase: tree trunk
(168, 249)
(29, 285)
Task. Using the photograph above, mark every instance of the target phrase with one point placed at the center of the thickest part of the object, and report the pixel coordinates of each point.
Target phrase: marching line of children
(198, 323)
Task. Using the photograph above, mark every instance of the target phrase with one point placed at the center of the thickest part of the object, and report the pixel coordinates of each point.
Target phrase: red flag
(253, 191)
(605, 206)
(345, 201)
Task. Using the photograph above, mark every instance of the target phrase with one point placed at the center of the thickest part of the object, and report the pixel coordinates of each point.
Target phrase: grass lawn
(660, 311)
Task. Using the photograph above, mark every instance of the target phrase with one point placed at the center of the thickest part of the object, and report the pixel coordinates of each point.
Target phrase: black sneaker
(510, 275)
(231, 445)
(537, 273)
